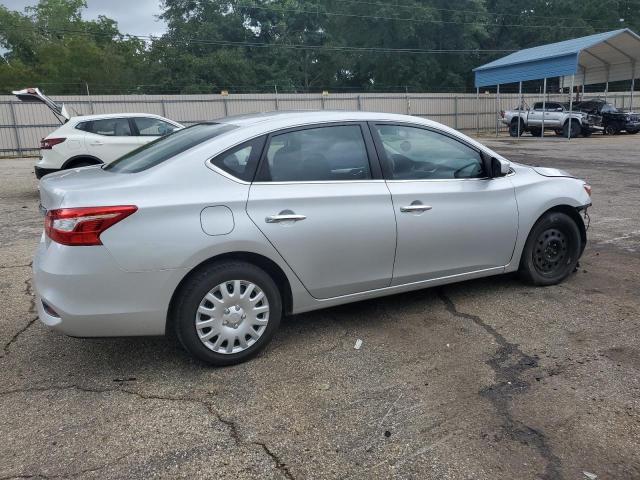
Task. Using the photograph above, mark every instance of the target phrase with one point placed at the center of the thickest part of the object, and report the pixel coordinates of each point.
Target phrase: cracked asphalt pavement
(487, 379)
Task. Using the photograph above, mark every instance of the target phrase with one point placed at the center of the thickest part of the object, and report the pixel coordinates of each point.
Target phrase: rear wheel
(633, 132)
(227, 312)
(572, 129)
(552, 250)
(610, 130)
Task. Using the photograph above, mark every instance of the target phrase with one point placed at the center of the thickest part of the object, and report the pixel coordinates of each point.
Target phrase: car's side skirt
(381, 292)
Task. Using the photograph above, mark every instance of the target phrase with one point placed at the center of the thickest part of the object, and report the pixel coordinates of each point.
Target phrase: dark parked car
(613, 120)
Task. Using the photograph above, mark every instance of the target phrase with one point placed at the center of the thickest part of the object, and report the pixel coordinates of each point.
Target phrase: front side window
(333, 153)
(153, 127)
(164, 148)
(418, 154)
(111, 127)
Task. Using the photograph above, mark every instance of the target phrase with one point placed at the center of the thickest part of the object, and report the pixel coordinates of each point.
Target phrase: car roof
(84, 118)
(314, 116)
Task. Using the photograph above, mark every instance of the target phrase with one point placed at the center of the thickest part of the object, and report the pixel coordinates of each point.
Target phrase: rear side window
(153, 127)
(111, 127)
(164, 148)
(241, 161)
(331, 153)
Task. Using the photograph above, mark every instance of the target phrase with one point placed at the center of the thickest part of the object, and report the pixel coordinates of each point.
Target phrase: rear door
(535, 116)
(451, 219)
(320, 200)
(110, 138)
(554, 112)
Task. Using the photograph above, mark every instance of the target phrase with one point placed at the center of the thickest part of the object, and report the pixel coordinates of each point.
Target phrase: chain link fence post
(12, 110)
(455, 112)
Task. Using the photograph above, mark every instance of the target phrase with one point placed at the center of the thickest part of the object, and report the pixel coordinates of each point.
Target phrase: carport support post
(497, 108)
(544, 104)
(477, 111)
(571, 106)
(633, 84)
(519, 107)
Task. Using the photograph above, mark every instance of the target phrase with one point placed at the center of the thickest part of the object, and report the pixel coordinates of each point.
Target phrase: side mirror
(495, 167)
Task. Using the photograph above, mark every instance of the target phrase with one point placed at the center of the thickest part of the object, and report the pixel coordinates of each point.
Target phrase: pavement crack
(230, 424)
(508, 363)
(28, 291)
(3, 267)
(78, 473)
(279, 463)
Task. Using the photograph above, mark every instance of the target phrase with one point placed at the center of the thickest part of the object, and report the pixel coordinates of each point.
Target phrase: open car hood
(35, 95)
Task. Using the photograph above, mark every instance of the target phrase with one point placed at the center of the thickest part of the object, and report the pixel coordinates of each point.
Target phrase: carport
(594, 59)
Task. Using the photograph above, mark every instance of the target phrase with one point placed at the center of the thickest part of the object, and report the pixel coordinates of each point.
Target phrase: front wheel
(227, 312)
(552, 250)
(571, 129)
(610, 130)
(633, 132)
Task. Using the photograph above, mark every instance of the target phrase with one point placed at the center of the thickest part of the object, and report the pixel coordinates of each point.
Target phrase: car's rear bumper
(80, 291)
(41, 172)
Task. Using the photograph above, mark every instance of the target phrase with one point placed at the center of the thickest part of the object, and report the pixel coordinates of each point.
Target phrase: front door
(451, 219)
(318, 201)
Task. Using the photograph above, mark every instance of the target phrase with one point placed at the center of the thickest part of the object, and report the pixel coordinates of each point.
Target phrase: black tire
(633, 132)
(575, 129)
(611, 130)
(558, 132)
(194, 291)
(552, 250)
(535, 131)
(513, 128)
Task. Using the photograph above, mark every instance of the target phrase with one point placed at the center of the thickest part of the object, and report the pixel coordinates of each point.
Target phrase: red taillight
(83, 226)
(48, 143)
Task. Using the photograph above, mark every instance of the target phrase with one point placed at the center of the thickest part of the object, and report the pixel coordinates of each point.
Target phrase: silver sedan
(218, 230)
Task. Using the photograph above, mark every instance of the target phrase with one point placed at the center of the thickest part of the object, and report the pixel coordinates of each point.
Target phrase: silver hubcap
(232, 316)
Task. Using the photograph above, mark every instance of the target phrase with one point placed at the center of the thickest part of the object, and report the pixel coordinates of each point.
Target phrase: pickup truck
(612, 120)
(557, 117)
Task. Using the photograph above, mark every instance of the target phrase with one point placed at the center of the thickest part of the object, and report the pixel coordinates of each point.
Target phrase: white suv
(92, 139)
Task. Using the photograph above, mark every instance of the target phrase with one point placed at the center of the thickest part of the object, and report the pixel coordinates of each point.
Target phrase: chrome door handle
(284, 218)
(416, 208)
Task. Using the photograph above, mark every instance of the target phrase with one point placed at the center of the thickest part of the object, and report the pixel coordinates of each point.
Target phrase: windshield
(164, 148)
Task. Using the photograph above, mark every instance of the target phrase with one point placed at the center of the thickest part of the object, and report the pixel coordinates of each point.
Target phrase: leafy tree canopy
(291, 45)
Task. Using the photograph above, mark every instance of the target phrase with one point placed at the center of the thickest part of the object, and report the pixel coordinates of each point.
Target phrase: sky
(136, 17)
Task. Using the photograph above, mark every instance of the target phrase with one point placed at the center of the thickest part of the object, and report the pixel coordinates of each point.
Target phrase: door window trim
(372, 157)
(385, 163)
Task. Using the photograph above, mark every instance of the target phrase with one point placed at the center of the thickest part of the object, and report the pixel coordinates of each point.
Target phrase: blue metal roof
(545, 61)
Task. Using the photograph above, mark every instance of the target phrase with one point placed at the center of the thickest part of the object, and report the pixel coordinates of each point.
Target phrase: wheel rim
(551, 254)
(232, 316)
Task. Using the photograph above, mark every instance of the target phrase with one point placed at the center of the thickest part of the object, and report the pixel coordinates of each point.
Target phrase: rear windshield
(164, 148)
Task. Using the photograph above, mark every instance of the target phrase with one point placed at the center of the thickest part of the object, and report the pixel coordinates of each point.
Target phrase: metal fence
(22, 125)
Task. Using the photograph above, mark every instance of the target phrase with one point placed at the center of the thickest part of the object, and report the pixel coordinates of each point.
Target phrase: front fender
(535, 196)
